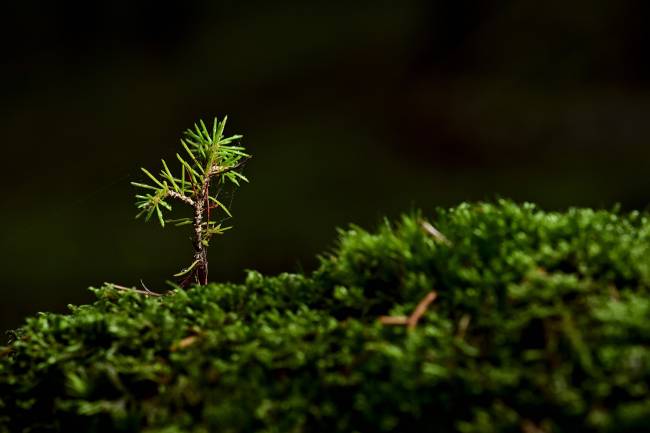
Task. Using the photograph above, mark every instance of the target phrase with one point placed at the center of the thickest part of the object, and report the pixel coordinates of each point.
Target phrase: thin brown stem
(421, 309)
(434, 232)
(132, 289)
(202, 207)
(412, 320)
(394, 320)
(200, 272)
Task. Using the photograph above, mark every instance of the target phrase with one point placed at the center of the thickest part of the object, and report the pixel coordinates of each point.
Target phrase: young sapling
(210, 162)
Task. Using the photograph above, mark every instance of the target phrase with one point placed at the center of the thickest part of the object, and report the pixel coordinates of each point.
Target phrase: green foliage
(540, 325)
(209, 162)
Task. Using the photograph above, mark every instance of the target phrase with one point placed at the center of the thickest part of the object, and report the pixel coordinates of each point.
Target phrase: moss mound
(541, 324)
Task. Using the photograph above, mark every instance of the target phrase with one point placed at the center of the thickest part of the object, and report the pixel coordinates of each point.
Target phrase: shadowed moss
(541, 324)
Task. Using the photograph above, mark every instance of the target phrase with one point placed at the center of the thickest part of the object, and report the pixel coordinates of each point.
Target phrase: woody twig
(412, 320)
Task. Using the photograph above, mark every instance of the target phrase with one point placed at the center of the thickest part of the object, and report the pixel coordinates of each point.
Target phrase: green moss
(542, 321)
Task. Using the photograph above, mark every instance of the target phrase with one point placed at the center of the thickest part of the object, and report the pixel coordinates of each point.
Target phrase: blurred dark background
(353, 110)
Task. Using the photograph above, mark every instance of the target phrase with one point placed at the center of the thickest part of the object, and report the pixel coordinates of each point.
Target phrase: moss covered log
(541, 324)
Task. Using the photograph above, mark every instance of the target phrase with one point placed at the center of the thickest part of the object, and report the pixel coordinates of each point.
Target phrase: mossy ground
(542, 324)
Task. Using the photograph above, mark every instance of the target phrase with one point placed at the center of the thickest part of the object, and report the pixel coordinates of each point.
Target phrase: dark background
(353, 111)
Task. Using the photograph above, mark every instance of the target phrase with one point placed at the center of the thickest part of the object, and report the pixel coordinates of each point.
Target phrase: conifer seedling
(210, 161)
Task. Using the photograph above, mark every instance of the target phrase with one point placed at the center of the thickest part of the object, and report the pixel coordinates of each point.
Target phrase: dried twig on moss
(434, 232)
(412, 320)
(146, 292)
(463, 325)
(184, 343)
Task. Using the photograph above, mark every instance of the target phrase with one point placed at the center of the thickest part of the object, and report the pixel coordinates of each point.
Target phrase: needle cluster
(209, 162)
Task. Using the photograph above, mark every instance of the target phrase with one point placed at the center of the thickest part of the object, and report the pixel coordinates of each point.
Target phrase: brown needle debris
(412, 320)
(528, 426)
(434, 232)
(184, 343)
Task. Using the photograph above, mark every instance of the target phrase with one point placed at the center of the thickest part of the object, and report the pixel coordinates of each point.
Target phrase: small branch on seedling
(210, 161)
